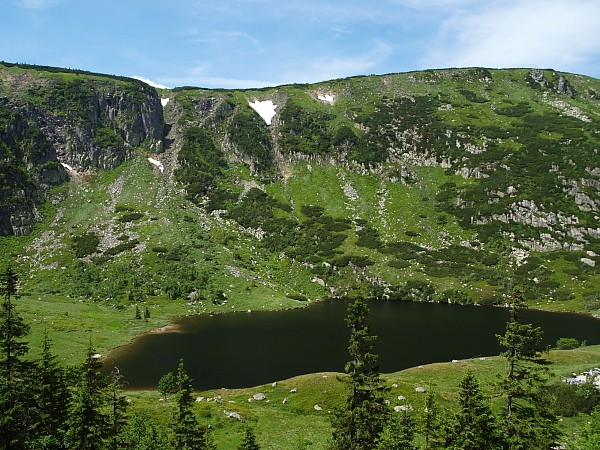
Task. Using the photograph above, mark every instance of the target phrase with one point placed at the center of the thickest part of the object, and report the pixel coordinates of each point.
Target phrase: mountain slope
(451, 185)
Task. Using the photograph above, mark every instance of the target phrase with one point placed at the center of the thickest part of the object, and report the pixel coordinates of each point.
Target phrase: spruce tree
(52, 398)
(249, 441)
(431, 423)
(528, 422)
(359, 424)
(476, 426)
(188, 433)
(15, 405)
(117, 416)
(88, 426)
(399, 432)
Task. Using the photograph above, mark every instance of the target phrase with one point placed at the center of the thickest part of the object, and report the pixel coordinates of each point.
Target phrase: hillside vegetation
(454, 185)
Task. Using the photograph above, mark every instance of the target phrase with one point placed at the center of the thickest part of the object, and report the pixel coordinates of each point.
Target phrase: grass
(297, 424)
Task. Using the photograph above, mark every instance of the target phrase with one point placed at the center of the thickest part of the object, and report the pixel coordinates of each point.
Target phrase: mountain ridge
(451, 185)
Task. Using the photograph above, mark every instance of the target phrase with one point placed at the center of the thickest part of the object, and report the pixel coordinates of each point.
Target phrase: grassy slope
(296, 424)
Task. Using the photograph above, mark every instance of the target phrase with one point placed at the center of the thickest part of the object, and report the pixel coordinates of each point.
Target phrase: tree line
(46, 406)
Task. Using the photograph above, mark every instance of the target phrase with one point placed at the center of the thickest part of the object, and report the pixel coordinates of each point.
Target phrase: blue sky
(254, 43)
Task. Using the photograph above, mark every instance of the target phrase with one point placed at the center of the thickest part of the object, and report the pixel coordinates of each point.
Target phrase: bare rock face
(84, 123)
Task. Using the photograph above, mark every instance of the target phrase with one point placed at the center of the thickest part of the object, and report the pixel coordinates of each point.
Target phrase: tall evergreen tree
(359, 424)
(476, 426)
(15, 407)
(431, 423)
(142, 433)
(117, 416)
(249, 441)
(188, 433)
(399, 432)
(51, 400)
(87, 422)
(528, 422)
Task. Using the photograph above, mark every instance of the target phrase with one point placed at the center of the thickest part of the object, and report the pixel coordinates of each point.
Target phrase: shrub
(86, 244)
(565, 343)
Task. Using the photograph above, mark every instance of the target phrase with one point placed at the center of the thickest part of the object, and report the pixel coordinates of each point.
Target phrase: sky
(257, 43)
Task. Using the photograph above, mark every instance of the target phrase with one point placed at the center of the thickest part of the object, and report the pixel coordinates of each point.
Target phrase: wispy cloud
(203, 76)
(532, 33)
(35, 4)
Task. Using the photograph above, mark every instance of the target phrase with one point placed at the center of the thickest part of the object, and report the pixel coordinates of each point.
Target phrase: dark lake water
(248, 349)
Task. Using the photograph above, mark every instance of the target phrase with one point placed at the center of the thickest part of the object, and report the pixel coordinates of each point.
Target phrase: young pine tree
(528, 422)
(15, 405)
(188, 433)
(52, 398)
(117, 416)
(399, 432)
(476, 426)
(88, 427)
(432, 426)
(359, 424)
(249, 441)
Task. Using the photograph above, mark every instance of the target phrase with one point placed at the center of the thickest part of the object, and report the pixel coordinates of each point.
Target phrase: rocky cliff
(57, 121)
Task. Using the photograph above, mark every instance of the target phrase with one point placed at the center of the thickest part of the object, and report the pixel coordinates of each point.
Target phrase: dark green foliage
(475, 426)
(369, 237)
(187, 431)
(249, 132)
(117, 415)
(472, 96)
(85, 244)
(15, 407)
(51, 401)
(569, 400)
(249, 441)
(432, 423)
(566, 343)
(201, 163)
(514, 111)
(360, 423)
(130, 217)
(106, 137)
(167, 384)
(142, 433)
(589, 439)
(304, 131)
(528, 422)
(88, 426)
(399, 433)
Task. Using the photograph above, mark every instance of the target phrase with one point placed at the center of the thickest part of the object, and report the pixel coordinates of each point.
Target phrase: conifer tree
(399, 432)
(87, 423)
(188, 433)
(15, 407)
(359, 424)
(51, 400)
(476, 426)
(249, 441)
(431, 423)
(117, 410)
(528, 422)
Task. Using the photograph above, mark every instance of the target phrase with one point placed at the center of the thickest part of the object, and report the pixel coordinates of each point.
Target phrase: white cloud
(532, 33)
(35, 4)
(150, 82)
(200, 76)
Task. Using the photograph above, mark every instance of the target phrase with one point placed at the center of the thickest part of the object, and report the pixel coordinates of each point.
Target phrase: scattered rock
(420, 389)
(234, 415)
(259, 397)
(407, 407)
(318, 408)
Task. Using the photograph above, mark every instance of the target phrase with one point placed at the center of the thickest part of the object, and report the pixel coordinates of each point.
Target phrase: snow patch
(68, 167)
(157, 163)
(326, 98)
(164, 101)
(265, 109)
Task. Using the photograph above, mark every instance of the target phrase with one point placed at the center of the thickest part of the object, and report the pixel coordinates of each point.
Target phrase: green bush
(86, 244)
(565, 343)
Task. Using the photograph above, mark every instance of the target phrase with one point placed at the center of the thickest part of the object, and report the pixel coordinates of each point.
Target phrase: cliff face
(53, 120)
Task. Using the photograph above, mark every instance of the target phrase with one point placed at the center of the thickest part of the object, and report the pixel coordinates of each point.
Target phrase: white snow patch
(150, 82)
(68, 167)
(326, 98)
(164, 101)
(265, 109)
(157, 163)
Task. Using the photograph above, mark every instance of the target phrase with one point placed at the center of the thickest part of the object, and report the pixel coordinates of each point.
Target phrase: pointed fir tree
(88, 427)
(52, 398)
(117, 416)
(15, 404)
(359, 424)
(476, 426)
(432, 427)
(399, 432)
(528, 422)
(188, 432)
(249, 441)
(142, 433)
